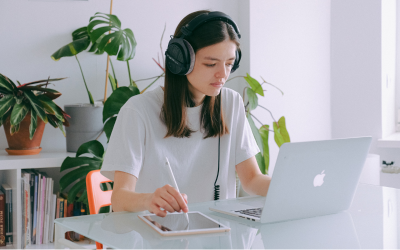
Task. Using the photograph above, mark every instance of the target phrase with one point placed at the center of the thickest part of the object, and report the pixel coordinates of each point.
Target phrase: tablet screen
(178, 222)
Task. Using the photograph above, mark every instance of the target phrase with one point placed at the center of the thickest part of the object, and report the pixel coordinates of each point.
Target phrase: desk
(373, 221)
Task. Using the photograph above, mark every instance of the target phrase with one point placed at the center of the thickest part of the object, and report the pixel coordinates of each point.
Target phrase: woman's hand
(166, 199)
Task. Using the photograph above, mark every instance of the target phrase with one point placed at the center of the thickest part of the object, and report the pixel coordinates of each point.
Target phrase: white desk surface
(373, 221)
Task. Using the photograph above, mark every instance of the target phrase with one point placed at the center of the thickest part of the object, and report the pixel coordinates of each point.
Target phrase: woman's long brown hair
(177, 95)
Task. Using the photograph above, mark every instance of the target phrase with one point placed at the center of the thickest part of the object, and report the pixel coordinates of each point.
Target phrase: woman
(193, 121)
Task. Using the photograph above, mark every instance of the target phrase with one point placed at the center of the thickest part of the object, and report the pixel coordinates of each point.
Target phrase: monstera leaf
(105, 31)
(81, 166)
(114, 104)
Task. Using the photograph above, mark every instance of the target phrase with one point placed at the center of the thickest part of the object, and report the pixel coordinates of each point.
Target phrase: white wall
(356, 69)
(33, 30)
(290, 48)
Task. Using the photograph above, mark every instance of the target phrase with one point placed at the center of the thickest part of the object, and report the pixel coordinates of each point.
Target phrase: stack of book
(40, 207)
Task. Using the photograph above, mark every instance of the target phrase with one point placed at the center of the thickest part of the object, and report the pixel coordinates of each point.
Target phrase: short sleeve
(246, 145)
(125, 151)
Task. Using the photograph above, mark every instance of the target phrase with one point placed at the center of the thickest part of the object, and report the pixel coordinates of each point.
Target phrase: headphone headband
(207, 17)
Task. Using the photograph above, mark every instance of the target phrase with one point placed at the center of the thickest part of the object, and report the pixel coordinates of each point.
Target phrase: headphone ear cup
(192, 56)
(237, 60)
(177, 58)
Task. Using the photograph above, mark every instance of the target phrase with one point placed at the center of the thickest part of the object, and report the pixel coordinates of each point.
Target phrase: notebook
(310, 179)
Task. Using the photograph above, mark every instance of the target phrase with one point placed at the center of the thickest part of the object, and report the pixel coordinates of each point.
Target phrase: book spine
(43, 199)
(8, 214)
(53, 211)
(61, 215)
(27, 208)
(35, 205)
(2, 219)
(31, 200)
(39, 206)
(23, 215)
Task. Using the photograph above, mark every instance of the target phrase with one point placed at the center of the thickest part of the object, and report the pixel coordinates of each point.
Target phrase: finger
(178, 197)
(164, 204)
(157, 211)
(184, 197)
(171, 200)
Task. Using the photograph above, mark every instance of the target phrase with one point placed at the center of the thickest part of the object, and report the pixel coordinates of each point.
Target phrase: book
(61, 211)
(23, 215)
(49, 195)
(39, 206)
(52, 217)
(42, 207)
(27, 207)
(7, 190)
(35, 206)
(2, 219)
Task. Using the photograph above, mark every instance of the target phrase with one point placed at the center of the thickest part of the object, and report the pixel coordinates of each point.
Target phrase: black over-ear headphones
(180, 56)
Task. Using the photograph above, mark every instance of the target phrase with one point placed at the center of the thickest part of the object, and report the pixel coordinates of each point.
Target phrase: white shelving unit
(10, 173)
(391, 141)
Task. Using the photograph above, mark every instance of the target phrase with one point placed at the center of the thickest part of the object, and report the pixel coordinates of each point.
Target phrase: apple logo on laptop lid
(319, 179)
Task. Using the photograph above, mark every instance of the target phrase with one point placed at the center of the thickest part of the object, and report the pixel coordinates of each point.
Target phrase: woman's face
(212, 67)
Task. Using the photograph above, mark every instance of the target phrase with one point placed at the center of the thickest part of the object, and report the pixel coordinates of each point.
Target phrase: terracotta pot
(19, 143)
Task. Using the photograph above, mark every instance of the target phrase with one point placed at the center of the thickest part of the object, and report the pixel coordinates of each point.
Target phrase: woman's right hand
(168, 199)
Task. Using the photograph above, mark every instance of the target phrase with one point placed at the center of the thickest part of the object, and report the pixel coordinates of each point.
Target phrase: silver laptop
(310, 179)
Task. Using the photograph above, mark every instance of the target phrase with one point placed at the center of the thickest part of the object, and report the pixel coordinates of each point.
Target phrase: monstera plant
(104, 34)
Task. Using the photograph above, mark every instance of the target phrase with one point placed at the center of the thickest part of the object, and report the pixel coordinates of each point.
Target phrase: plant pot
(19, 143)
(85, 124)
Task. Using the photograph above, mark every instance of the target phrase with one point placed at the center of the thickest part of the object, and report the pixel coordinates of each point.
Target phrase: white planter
(86, 124)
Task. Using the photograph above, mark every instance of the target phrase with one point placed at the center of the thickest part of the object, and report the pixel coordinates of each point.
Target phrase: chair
(97, 198)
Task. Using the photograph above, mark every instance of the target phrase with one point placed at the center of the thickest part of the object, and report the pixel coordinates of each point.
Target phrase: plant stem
(271, 85)
(260, 122)
(129, 71)
(90, 96)
(268, 111)
(243, 93)
(158, 77)
(234, 78)
(112, 68)
(147, 78)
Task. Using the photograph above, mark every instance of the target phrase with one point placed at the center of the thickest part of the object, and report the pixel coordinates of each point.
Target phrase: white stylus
(172, 178)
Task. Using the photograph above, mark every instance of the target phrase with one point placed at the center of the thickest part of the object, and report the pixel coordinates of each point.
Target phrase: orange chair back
(97, 198)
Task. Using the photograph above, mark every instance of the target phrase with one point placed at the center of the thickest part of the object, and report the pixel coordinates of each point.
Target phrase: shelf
(41, 160)
(391, 141)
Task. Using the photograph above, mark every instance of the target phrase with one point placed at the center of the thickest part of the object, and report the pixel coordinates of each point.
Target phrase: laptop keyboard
(255, 212)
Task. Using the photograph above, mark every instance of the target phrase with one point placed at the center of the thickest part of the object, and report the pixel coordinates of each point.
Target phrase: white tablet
(176, 224)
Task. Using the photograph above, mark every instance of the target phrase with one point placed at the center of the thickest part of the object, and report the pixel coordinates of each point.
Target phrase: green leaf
(33, 125)
(93, 147)
(52, 120)
(254, 84)
(112, 82)
(7, 84)
(116, 100)
(71, 49)
(74, 175)
(61, 127)
(18, 113)
(14, 129)
(256, 134)
(71, 162)
(4, 117)
(260, 162)
(253, 99)
(80, 33)
(118, 42)
(6, 103)
(51, 107)
(53, 94)
(281, 134)
(264, 133)
(80, 185)
(83, 197)
(109, 126)
(36, 105)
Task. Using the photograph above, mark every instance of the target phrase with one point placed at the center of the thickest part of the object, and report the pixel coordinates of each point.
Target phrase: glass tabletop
(371, 222)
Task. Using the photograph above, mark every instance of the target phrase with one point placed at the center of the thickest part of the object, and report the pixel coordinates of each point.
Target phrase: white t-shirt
(137, 146)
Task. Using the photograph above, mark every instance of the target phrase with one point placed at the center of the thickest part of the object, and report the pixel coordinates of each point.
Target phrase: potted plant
(86, 119)
(24, 110)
